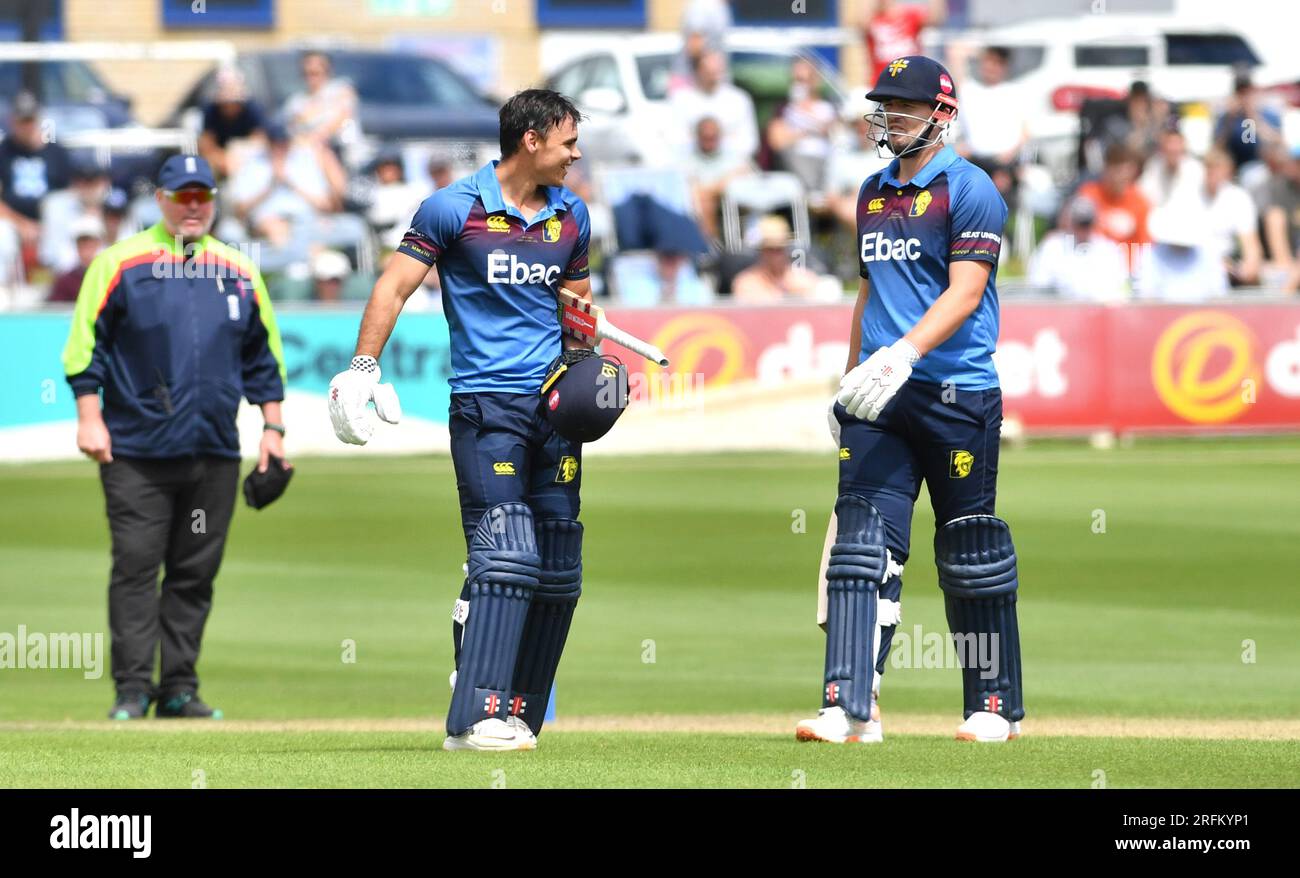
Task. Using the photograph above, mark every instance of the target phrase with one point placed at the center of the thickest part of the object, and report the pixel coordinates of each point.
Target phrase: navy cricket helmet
(584, 394)
(913, 78)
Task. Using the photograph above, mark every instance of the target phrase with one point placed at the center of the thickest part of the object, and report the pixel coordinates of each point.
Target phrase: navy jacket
(174, 342)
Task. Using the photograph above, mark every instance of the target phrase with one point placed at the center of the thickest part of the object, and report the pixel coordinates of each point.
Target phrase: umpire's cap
(180, 171)
(915, 78)
(584, 395)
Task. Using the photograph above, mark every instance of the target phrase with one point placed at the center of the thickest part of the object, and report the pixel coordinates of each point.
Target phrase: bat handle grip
(632, 343)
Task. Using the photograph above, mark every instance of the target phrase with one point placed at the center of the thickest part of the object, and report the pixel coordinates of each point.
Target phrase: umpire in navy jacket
(173, 327)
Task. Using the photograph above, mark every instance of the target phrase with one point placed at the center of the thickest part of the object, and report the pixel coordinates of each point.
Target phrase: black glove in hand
(262, 489)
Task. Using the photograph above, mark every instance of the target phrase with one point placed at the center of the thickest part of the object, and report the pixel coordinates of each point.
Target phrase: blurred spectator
(11, 262)
(1135, 122)
(1282, 215)
(709, 19)
(891, 30)
(853, 159)
(30, 168)
(116, 224)
(282, 192)
(775, 276)
(1077, 262)
(800, 130)
(1232, 219)
(681, 75)
(1182, 265)
(994, 126)
(60, 211)
(642, 222)
(1246, 125)
(1121, 207)
(1147, 117)
(1257, 177)
(88, 233)
(704, 26)
(393, 201)
(712, 95)
(328, 270)
(709, 169)
(1171, 174)
(440, 168)
(326, 111)
(668, 278)
(231, 117)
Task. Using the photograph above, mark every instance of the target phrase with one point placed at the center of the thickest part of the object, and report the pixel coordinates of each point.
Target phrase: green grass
(124, 758)
(702, 564)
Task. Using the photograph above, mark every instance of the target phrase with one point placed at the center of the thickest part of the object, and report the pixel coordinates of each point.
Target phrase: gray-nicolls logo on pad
(77, 831)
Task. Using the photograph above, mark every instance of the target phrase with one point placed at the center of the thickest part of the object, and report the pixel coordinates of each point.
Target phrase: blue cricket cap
(180, 171)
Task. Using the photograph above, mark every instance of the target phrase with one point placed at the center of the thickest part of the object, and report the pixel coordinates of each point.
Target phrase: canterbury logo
(875, 205)
(498, 224)
(503, 468)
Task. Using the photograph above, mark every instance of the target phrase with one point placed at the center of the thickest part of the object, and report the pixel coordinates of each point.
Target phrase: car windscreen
(1216, 49)
(760, 73)
(1111, 55)
(62, 82)
(379, 79)
(654, 71)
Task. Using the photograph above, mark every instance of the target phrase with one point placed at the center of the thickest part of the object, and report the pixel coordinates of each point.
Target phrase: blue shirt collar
(489, 192)
(942, 160)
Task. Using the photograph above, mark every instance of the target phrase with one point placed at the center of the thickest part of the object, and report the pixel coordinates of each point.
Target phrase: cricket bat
(585, 321)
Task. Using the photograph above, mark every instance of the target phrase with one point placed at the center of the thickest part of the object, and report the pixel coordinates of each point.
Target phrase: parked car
(621, 85)
(1058, 63)
(402, 95)
(72, 95)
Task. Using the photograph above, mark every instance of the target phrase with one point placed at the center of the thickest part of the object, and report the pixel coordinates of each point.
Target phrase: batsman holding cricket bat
(920, 402)
(503, 241)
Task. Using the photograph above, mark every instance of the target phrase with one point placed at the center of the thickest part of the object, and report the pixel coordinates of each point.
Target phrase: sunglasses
(190, 196)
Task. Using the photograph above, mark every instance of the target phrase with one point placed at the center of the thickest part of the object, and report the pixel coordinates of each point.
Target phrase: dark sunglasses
(190, 196)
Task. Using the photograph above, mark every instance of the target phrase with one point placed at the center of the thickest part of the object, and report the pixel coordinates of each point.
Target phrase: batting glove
(869, 386)
(833, 422)
(351, 392)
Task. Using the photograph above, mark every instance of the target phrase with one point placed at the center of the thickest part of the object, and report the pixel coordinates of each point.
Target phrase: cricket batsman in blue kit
(920, 402)
(502, 241)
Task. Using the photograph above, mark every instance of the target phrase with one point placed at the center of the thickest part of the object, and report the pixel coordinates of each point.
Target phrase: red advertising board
(1063, 367)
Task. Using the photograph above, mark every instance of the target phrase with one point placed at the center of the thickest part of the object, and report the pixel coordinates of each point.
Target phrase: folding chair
(762, 194)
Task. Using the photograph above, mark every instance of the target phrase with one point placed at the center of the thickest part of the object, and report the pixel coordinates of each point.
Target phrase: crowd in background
(1143, 218)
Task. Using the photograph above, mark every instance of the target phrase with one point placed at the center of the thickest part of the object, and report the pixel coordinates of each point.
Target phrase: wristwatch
(279, 428)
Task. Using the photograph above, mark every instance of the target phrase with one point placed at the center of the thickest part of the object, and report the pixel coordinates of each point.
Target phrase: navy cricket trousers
(503, 450)
(946, 437)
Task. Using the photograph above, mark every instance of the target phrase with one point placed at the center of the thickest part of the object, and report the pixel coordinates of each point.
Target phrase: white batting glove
(869, 386)
(350, 395)
(833, 422)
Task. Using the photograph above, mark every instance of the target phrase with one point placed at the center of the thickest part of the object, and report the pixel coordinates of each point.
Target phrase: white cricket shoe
(988, 728)
(832, 725)
(523, 734)
(486, 734)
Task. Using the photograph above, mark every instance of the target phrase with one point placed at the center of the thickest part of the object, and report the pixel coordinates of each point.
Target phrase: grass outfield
(139, 758)
(698, 600)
